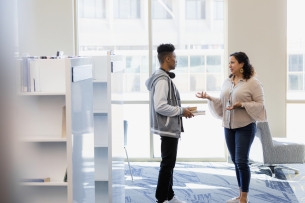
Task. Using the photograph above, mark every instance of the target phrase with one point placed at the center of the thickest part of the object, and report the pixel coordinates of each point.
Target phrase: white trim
(163, 132)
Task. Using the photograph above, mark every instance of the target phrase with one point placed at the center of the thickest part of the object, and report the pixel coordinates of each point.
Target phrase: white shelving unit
(39, 139)
(44, 151)
(41, 93)
(108, 128)
(46, 184)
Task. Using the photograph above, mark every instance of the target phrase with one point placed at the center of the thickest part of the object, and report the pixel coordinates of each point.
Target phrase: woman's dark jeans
(239, 141)
(169, 147)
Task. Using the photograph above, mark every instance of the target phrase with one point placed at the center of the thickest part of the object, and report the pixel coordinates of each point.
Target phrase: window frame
(151, 56)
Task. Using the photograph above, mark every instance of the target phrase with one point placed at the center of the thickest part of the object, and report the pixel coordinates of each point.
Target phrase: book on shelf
(29, 74)
(24, 74)
(34, 76)
(66, 176)
(63, 124)
(35, 180)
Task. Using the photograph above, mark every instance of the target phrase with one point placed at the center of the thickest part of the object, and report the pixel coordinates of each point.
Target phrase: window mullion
(150, 55)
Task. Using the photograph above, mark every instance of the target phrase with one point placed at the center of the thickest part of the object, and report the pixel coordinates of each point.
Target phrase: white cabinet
(108, 128)
(43, 150)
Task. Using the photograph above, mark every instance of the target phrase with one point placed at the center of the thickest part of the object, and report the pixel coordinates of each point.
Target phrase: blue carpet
(296, 181)
(203, 182)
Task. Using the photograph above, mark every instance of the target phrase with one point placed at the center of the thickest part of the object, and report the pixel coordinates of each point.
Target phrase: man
(166, 119)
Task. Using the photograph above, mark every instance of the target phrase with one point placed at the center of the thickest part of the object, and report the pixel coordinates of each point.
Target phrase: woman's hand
(203, 95)
(237, 105)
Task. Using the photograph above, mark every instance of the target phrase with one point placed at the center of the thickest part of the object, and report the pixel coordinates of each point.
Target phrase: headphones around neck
(170, 74)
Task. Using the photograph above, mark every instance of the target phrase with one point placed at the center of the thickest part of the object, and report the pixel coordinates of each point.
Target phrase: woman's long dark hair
(241, 57)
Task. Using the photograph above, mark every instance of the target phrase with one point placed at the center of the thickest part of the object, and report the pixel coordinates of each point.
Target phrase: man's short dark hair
(163, 51)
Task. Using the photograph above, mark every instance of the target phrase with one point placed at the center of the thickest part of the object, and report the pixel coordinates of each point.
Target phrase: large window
(200, 55)
(202, 71)
(295, 69)
(126, 9)
(92, 9)
(195, 9)
(296, 50)
(162, 9)
(218, 10)
(296, 73)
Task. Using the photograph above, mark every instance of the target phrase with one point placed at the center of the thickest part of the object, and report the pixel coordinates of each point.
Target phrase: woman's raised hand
(202, 95)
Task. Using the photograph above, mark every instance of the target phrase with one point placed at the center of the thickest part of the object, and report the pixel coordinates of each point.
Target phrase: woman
(240, 105)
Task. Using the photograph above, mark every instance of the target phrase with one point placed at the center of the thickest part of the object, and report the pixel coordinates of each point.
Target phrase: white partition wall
(117, 123)
(102, 131)
(108, 131)
(80, 131)
(259, 28)
(54, 139)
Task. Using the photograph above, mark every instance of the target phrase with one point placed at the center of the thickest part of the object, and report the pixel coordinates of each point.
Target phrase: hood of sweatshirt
(155, 76)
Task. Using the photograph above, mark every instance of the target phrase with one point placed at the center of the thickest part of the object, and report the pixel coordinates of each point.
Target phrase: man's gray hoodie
(166, 107)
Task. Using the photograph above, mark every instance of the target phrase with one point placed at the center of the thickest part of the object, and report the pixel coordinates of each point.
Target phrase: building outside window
(127, 9)
(295, 72)
(162, 9)
(92, 9)
(218, 10)
(195, 9)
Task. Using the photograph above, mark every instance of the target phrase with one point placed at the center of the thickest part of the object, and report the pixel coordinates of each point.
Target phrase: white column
(180, 22)
(144, 15)
(259, 28)
(109, 13)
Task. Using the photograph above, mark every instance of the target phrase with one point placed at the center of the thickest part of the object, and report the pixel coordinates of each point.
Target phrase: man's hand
(187, 113)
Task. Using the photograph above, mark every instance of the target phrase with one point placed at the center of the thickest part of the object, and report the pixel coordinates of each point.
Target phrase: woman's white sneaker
(233, 200)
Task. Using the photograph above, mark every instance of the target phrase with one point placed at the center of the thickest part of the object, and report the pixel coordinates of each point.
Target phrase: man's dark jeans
(169, 147)
(239, 141)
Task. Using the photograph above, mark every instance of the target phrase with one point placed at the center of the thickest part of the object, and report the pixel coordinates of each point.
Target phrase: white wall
(46, 27)
(259, 28)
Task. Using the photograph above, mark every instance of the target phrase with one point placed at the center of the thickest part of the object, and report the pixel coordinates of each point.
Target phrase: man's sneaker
(233, 200)
(175, 200)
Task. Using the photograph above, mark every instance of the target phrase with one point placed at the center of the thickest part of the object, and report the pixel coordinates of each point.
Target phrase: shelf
(100, 111)
(39, 139)
(101, 146)
(116, 58)
(99, 81)
(40, 93)
(45, 184)
(101, 180)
